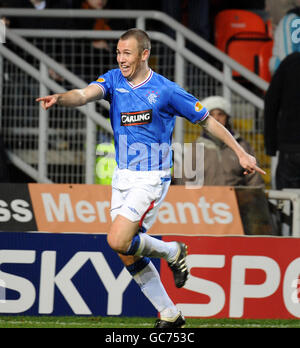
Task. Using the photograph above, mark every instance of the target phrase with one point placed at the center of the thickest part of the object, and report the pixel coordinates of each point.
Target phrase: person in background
(105, 163)
(282, 122)
(194, 14)
(40, 22)
(286, 37)
(221, 167)
(95, 24)
(92, 55)
(277, 9)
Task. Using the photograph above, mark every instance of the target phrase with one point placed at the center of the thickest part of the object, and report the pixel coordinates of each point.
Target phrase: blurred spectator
(43, 22)
(285, 39)
(40, 22)
(221, 166)
(92, 57)
(282, 122)
(193, 13)
(125, 23)
(94, 24)
(278, 8)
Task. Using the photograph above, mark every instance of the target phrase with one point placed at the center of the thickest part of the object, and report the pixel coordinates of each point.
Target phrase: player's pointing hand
(248, 162)
(48, 101)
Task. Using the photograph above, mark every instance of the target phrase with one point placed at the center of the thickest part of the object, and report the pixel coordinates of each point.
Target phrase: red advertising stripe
(239, 277)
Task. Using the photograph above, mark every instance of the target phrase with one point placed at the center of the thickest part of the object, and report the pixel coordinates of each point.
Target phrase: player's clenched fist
(48, 101)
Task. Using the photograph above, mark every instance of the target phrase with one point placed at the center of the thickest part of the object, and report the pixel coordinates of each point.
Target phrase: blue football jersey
(143, 118)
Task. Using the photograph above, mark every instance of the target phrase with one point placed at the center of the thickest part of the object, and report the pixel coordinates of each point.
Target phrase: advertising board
(78, 274)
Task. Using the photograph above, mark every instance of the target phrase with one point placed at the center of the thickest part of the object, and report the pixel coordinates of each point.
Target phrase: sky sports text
(142, 157)
(116, 284)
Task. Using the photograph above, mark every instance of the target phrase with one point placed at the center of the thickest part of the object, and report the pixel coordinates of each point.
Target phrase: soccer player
(142, 114)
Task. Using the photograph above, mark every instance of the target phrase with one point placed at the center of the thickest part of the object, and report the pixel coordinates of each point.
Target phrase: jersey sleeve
(105, 82)
(185, 104)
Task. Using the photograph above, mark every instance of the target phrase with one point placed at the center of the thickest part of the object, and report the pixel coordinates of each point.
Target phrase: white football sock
(153, 247)
(149, 281)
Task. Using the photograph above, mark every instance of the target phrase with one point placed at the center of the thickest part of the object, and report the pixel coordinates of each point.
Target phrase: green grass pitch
(122, 322)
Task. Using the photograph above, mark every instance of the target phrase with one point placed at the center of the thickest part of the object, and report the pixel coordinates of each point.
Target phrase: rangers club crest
(152, 97)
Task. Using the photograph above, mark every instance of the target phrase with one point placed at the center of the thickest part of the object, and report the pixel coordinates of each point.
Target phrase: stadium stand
(245, 48)
(231, 22)
(264, 57)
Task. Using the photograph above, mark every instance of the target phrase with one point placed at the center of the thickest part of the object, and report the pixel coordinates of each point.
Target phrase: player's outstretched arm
(73, 98)
(247, 161)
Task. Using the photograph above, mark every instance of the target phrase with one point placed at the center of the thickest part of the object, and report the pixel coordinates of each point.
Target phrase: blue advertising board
(66, 274)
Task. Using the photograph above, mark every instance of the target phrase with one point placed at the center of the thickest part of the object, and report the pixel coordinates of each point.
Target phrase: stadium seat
(230, 22)
(245, 48)
(265, 54)
(269, 28)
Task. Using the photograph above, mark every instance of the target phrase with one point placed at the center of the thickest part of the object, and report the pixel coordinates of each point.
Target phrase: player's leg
(173, 252)
(146, 276)
(140, 267)
(128, 216)
(123, 236)
(136, 209)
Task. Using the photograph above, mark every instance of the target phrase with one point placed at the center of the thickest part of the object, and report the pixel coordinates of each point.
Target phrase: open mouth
(125, 69)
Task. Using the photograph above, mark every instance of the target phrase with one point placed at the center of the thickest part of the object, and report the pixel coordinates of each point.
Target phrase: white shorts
(137, 195)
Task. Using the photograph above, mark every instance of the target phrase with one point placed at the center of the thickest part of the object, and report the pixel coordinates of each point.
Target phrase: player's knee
(116, 244)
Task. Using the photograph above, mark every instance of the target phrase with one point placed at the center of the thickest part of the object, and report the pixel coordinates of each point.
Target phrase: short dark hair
(142, 38)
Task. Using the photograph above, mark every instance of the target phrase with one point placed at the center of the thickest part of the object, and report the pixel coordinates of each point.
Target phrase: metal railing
(293, 198)
(171, 57)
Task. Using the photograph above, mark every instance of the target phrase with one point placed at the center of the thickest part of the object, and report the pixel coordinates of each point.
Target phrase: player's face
(129, 58)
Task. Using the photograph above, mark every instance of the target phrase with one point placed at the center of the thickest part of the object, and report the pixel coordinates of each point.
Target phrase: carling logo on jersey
(136, 118)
